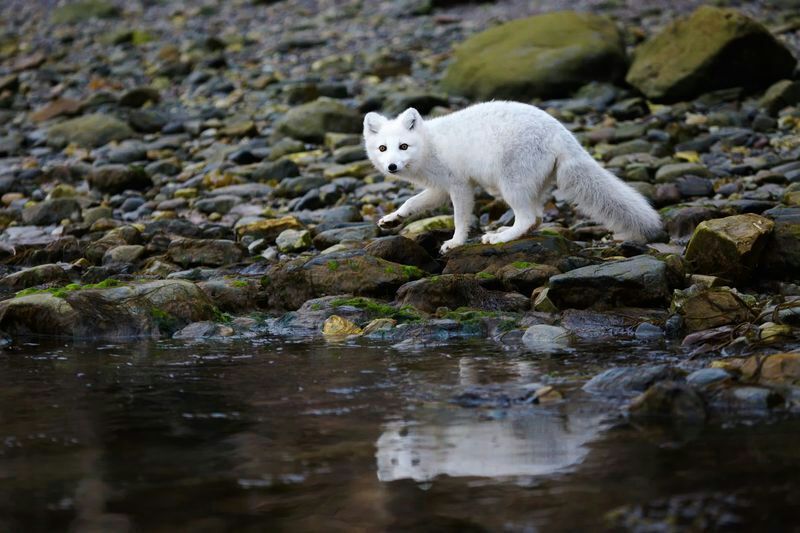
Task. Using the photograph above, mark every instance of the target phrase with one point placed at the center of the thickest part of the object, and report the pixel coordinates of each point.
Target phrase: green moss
(390, 270)
(333, 266)
(381, 310)
(164, 320)
(221, 317)
(62, 292)
(239, 283)
(485, 275)
(413, 272)
(521, 264)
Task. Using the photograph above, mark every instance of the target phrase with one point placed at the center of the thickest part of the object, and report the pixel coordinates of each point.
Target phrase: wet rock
(276, 170)
(399, 249)
(203, 330)
(289, 284)
(669, 400)
(336, 326)
(544, 338)
(729, 247)
(123, 235)
(267, 229)
(671, 171)
(711, 49)
(524, 277)
(425, 225)
(616, 324)
(114, 179)
(639, 281)
(292, 240)
(745, 400)
(34, 276)
(211, 252)
(89, 130)
(349, 232)
(217, 204)
(146, 310)
(706, 377)
(310, 122)
(540, 249)
(630, 379)
(52, 212)
(293, 187)
(541, 56)
(682, 220)
(125, 254)
(232, 295)
(779, 95)
(708, 308)
(648, 332)
(457, 290)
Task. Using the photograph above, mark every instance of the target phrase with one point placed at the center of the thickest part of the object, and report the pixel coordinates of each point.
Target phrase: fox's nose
(392, 167)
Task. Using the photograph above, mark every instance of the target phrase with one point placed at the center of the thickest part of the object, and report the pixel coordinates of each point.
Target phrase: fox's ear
(410, 118)
(373, 122)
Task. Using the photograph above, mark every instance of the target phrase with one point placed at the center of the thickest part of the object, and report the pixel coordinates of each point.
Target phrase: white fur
(512, 150)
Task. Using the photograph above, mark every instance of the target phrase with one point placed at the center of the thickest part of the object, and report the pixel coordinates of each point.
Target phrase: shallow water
(270, 435)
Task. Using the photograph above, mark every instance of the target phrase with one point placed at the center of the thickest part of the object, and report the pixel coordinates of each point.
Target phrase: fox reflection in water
(517, 442)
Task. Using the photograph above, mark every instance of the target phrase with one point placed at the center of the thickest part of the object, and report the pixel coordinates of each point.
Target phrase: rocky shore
(197, 171)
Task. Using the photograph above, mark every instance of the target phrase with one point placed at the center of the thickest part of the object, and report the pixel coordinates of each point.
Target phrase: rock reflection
(517, 445)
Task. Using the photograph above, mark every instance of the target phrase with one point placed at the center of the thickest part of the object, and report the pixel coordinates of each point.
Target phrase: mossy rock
(107, 311)
(710, 308)
(310, 122)
(713, 48)
(287, 285)
(90, 131)
(542, 56)
(730, 247)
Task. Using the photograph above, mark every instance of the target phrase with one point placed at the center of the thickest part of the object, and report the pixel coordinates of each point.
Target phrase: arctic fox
(512, 150)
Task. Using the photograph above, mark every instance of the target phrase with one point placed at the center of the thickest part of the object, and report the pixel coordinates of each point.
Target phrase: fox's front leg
(463, 198)
(424, 201)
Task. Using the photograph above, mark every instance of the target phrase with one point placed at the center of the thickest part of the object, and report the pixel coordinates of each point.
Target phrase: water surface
(277, 435)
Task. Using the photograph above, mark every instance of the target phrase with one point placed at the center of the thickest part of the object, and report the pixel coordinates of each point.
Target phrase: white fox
(514, 151)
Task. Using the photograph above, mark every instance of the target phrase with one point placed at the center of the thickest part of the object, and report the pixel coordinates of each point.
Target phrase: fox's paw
(392, 220)
(495, 238)
(449, 245)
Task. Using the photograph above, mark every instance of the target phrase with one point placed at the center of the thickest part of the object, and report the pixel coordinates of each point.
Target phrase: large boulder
(490, 258)
(146, 310)
(729, 247)
(712, 49)
(542, 56)
(310, 122)
(287, 285)
(457, 290)
(90, 131)
(639, 281)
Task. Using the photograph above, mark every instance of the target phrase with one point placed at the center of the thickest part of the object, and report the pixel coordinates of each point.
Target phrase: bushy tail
(604, 197)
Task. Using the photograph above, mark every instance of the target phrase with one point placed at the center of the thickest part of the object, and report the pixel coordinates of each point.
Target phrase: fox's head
(395, 145)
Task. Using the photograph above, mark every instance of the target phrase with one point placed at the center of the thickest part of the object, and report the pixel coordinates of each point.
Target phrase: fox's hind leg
(526, 216)
(527, 202)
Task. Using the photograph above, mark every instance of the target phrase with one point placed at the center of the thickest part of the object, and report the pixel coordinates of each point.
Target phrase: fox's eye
(382, 148)
(404, 146)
